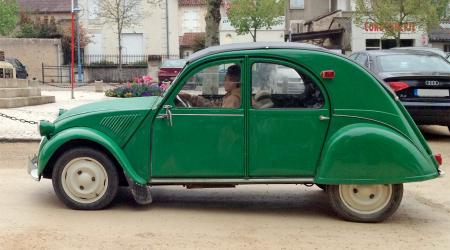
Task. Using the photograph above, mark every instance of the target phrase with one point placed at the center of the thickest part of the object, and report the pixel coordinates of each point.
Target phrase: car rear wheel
(365, 203)
(85, 178)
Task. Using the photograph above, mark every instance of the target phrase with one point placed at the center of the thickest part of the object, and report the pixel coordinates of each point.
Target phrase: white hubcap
(84, 180)
(365, 199)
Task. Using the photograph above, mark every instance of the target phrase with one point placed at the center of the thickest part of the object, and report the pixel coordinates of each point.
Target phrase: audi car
(420, 79)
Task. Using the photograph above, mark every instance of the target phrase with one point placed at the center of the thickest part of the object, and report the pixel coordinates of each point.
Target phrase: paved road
(250, 217)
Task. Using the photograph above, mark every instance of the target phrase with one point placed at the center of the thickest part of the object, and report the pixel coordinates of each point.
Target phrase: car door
(193, 135)
(288, 120)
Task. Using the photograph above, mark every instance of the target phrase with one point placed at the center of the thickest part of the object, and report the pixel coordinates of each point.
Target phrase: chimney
(2, 55)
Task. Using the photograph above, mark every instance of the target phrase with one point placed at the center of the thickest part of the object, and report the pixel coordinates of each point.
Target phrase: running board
(172, 181)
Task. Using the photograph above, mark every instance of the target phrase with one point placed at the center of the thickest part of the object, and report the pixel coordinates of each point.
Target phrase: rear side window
(408, 63)
(279, 86)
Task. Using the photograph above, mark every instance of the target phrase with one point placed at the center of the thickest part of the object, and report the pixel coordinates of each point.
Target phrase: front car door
(288, 120)
(202, 138)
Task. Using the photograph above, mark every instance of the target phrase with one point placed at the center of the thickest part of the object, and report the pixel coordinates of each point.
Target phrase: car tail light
(438, 158)
(328, 74)
(397, 86)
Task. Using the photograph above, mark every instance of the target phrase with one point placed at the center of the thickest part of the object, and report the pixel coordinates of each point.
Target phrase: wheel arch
(90, 138)
(366, 153)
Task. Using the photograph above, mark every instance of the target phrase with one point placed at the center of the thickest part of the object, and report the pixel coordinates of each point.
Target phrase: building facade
(155, 34)
(333, 27)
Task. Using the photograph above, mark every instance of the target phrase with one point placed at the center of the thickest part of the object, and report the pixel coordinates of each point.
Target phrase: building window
(374, 44)
(297, 4)
(447, 47)
(190, 21)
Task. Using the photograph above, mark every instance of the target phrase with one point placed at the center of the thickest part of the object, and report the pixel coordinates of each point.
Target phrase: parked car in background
(421, 80)
(21, 70)
(359, 145)
(170, 68)
(428, 49)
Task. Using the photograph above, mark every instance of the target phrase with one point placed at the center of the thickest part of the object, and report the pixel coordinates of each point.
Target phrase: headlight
(46, 128)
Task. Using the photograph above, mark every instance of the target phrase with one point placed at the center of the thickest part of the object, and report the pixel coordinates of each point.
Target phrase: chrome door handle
(167, 115)
(323, 118)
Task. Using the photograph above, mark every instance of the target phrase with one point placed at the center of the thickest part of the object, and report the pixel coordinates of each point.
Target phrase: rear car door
(288, 119)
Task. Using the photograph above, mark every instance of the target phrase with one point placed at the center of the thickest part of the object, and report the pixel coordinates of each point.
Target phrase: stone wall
(33, 52)
(111, 74)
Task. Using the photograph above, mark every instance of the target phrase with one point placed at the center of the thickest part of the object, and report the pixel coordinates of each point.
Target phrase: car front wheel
(85, 178)
(365, 203)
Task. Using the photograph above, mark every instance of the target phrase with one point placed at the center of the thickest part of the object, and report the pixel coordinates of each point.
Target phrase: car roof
(434, 50)
(251, 46)
(397, 52)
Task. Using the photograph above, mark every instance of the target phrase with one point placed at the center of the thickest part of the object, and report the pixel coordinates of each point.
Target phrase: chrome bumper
(33, 168)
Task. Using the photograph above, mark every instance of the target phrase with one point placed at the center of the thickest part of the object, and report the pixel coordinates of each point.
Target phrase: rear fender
(63, 137)
(366, 153)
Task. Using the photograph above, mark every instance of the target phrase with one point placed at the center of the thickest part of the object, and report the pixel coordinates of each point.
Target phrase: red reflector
(397, 86)
(438, 158)
(328, 74)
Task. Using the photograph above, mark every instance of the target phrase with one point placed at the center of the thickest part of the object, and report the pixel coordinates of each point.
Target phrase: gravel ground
(246, 217)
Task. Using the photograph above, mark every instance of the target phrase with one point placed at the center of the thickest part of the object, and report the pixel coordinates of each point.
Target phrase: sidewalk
(15, 130)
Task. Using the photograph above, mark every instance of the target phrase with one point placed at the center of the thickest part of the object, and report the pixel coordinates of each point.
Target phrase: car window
(409, 63)
(217, 86)
(362, 60)
(279, 86)
(353, 56)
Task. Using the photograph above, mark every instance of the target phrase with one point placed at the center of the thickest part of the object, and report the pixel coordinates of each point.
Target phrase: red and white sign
(374, 27)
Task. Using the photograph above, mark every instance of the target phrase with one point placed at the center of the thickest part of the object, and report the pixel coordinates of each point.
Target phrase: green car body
(360, 135)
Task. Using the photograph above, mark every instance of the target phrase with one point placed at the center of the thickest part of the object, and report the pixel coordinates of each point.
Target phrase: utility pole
(79, 71)
(72, 50)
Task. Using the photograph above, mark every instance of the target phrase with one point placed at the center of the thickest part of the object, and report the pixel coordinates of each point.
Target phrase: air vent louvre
(118, 124)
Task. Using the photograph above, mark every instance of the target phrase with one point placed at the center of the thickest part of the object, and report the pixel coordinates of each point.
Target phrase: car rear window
(173, 63)
(410, 63)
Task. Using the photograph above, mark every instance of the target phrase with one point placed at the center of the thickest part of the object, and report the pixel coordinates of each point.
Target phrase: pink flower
(163, 86)
(147, 79)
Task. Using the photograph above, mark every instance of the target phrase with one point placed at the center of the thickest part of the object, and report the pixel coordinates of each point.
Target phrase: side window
(278, 86)
(218, 86)
(354, 56)
(362, 60)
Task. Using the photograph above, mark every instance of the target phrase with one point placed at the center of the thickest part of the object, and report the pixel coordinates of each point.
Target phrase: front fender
(81, 133)
(372, 154)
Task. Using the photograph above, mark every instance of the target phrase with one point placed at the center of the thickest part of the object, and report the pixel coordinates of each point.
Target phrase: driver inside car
(232, 98)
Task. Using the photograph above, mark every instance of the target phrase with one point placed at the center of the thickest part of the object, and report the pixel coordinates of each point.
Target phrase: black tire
(383, 212)
(322, 186)
(101, 162)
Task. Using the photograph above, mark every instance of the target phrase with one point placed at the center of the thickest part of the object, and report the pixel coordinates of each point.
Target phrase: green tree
(394, 16)
(248, 16)
(9, 10)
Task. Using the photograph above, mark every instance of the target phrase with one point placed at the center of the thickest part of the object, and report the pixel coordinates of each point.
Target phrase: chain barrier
(17, 119)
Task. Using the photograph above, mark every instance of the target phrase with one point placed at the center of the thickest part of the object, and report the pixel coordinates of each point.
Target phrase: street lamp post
(74, 11)
(79, 71)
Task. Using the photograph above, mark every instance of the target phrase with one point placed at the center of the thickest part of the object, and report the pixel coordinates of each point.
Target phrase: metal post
(78, 44)
(43, 74)
(167, 28)
(72, 64)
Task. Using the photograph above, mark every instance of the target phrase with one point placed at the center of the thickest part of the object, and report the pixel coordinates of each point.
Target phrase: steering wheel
(185, 104)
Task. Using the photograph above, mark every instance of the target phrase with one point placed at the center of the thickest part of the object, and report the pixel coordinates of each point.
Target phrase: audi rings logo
(432, 83)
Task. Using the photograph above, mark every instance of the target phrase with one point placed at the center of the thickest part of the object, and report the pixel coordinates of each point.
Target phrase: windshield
(174, 63)
(413, 63)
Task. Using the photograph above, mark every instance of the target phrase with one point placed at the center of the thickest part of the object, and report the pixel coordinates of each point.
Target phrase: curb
(14, 140)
